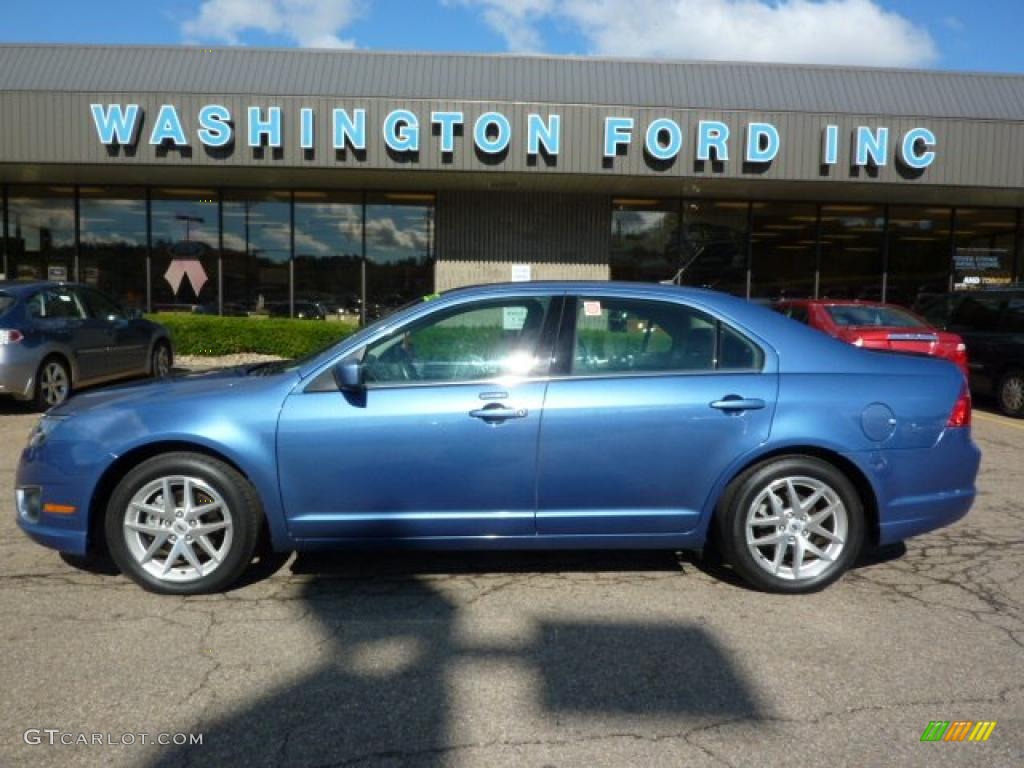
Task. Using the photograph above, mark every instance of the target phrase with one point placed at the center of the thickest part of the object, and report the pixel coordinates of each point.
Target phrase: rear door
(654, 399)
(61, 316)
(977, 319)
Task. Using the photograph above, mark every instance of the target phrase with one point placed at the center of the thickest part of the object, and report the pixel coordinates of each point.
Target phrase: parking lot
(521, 659)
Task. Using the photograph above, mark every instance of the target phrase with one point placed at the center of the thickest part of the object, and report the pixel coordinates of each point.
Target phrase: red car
(877, 326)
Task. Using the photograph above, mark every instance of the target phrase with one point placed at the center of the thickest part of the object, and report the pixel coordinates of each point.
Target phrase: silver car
(58, 337)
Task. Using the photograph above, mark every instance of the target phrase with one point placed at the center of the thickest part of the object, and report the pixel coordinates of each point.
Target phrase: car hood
(185, 386)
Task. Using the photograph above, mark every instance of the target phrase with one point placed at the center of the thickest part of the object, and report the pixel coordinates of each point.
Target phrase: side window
(1013, 317)
(980, 314)
(99, 306)
(482, 341)
(55, 304)
(626, 335)
(798, 313)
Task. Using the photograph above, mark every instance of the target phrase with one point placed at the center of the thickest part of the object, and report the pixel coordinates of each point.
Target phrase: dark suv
(991, 322)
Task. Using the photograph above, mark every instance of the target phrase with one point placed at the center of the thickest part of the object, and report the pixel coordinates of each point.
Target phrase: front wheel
(791, 525)
(183, 524)
(1010, 394)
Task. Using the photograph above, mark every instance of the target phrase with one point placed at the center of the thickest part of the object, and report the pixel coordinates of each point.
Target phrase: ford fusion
(528, 415)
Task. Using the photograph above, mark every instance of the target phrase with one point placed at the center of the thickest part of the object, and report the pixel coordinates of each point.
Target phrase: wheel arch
(866, 491)
(126, 462)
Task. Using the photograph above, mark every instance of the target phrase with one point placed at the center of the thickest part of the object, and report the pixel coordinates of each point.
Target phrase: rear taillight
(10, 336)
(961, 414)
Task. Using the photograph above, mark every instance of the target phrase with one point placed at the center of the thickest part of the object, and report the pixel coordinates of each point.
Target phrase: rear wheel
(793, 524)
(184, 524)
(53, 383)
(1010, 394)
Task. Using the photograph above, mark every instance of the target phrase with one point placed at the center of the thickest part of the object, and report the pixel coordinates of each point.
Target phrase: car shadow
(377, 689)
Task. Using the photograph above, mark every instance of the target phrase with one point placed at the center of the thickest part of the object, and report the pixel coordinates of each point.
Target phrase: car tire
(201, 541)
(778, 544)
(53, 383)
(161, 359)
(1010, 394)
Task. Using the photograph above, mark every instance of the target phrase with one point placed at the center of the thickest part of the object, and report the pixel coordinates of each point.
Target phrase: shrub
(212, 335)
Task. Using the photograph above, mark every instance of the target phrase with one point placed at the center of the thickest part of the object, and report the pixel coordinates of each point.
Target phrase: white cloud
(309, 23)
(797, 31)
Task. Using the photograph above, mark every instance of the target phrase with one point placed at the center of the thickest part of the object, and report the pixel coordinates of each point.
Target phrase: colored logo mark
(958, 730)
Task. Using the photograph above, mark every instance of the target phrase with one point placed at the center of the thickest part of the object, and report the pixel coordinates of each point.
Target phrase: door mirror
(350, 376)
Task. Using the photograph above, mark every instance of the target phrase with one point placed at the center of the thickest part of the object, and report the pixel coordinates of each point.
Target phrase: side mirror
(350, 376)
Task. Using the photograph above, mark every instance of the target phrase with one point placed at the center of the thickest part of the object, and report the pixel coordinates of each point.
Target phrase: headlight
(42, 430)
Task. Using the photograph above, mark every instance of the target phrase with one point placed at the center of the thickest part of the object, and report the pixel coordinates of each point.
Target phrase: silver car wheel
(161, 362)
(1013, 394)
(178, 528)
(796, 528)
(53, 381)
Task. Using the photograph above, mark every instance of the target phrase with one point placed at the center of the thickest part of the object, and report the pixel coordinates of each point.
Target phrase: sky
(983, 35)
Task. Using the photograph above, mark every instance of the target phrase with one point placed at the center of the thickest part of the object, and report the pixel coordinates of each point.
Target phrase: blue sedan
(528, 415)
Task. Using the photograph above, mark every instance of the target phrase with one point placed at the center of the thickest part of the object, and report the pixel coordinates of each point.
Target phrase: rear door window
(615, 336)
(979, 314)
(55, 303)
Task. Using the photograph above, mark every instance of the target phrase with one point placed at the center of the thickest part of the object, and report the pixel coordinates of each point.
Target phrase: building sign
(492, 134)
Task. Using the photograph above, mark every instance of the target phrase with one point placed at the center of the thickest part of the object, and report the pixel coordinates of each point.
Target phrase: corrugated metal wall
(480, 237)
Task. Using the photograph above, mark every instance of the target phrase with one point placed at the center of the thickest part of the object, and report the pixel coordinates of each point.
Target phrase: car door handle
(496, 412)
(736, 403)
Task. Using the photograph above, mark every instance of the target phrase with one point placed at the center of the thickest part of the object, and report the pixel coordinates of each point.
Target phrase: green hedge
(211, 335)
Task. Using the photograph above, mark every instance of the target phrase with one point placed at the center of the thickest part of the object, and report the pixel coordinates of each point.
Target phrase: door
(442, 443)
(128, 340)
(61, 316)
(655, 400)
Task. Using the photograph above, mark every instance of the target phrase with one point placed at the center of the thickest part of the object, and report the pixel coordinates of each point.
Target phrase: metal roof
(543, 79)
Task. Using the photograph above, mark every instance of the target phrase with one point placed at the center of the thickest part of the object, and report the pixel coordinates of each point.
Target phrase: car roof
(22, 287)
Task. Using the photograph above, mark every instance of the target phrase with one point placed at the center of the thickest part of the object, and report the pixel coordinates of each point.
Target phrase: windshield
(281, 366)
(859, 315)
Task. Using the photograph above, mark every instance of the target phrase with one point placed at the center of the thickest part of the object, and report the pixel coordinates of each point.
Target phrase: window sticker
(514, 318)
(591, 308)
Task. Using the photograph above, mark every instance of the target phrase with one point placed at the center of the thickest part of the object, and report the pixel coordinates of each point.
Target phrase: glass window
(99, 306)
(645, 240)
(783, 247)
(977, 313)
(625, 336)
(714, 245)
(185, 243)
(859, 315)
(257, 248)
(1013, 316)
(796, 312)
(399, 251)
(113, 249)
(329, 251)
(984, 247)
(41, 233)
(852, 248)
(483, 341)
(55, 303)
(919, 253)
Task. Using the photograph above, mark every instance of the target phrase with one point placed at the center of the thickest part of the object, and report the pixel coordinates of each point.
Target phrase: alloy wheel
(1012, 394)
(796, 528)
(161, 362)
(53, 381)
(178, 528)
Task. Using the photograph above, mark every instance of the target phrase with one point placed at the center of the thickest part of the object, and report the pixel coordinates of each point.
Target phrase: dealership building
(233, 180)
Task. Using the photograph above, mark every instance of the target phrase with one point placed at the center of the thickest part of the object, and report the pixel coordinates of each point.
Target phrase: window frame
(566, 344)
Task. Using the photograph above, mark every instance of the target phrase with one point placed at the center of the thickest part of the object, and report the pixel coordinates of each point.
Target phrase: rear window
(853, 315)
(6, 302)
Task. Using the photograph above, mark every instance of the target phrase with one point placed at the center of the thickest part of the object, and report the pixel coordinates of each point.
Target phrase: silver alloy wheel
(1013, 393)
(161, 361)
(53, 381)
(178, 528)
(796, 528)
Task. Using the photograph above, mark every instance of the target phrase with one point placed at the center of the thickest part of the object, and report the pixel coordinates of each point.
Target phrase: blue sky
(947, 34)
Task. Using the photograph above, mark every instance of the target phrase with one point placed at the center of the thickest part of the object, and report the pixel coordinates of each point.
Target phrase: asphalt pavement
(537, 659)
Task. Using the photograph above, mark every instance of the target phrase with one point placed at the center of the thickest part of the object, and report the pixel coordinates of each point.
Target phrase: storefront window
(783, 245)
(852, 249)
(399, 251)
(257, 248)
(329, 251)
(714, 245)
(113, 247)
(984, 247)
(185, 242)
(645, 240)
(919, 253)
(41, 233)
